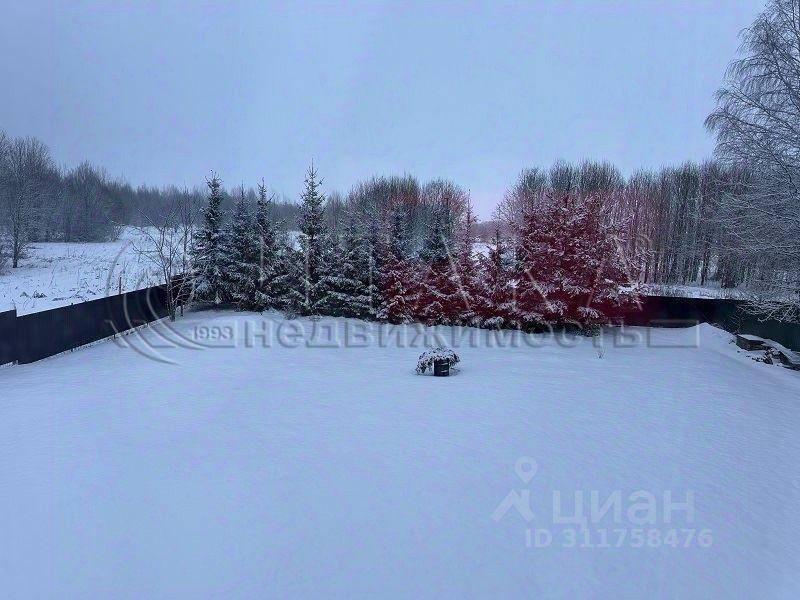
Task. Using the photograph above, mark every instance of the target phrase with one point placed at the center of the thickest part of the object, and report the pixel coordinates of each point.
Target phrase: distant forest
(672, 214)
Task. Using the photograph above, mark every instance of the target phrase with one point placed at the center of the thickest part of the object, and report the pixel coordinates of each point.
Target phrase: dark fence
(667, 311)
(8, 336)
(28, 338)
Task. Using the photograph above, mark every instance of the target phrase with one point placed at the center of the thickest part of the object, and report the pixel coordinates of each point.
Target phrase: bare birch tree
(3, 167)
(757, 124)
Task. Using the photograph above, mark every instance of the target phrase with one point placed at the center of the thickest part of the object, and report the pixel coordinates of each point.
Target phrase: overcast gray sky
(162, 93)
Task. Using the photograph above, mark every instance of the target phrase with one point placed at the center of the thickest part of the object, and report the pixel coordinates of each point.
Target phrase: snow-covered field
(694, 291)
(156, 469)
(59, 274)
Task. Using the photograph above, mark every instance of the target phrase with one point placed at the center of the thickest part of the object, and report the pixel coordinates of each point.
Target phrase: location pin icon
(526, 468)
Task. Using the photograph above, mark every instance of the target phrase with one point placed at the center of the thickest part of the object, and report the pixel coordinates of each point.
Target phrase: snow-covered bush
(428, 357)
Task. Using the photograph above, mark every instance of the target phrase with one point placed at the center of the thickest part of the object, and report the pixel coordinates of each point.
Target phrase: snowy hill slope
(296, 471)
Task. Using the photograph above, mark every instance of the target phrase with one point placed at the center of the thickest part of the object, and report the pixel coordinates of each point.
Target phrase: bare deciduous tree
(165, 244)
(3, 166)
(530, 188)
(24, 179)
(757, 123)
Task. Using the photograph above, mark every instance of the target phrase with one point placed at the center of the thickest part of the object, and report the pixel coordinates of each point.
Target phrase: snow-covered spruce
(209, 250)
(428, 357)
(316, 250)
(272, 274)
(397, 278)
(348, 278)
(242, 256)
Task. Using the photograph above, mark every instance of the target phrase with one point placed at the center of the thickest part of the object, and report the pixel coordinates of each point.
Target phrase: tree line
(42, 202)
(404, 253)
(675, 223)
(672, 215)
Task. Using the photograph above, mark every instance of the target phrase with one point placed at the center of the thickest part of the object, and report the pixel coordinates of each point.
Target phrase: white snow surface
(243, 472)
(694, 291)
(58, 274)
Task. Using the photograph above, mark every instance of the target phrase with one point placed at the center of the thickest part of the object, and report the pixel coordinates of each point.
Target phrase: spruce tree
(348, 282)
(539, 267)
(242, 257)
(208, 250)
(438, 299)
(289, 284)
(271, 275)
(570, 270)
(438, 238)
(314, 246)
(496, 295)
(371, 230)
(467, 272)
(398, 279)
(600, 283)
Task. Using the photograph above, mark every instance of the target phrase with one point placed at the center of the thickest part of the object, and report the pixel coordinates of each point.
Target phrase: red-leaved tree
(571, 265)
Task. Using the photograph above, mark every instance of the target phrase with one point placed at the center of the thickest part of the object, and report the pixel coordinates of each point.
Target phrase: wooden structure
(750, 342)
(788, 358)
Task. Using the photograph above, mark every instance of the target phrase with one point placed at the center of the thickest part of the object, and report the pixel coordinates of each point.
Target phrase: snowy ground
(694, 291)
(165, 470)
(59, 274)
